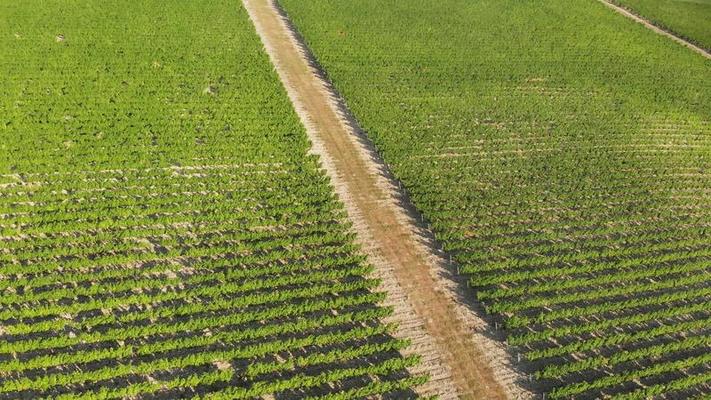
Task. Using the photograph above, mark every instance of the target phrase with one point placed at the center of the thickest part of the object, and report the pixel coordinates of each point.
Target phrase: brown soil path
(462, 361)
(629, 14)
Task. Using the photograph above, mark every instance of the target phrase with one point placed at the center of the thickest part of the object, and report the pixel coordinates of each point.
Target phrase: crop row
(568, 181)
(164, 232)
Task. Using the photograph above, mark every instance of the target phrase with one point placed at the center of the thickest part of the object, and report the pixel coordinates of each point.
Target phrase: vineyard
(163, 232)
(688, 19)
(169, 231)
(561, 154)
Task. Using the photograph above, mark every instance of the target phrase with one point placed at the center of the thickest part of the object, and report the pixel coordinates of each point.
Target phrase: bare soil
(459, 351)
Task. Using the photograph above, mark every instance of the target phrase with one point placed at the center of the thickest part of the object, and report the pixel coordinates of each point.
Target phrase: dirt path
(462, 358)
(629, 14)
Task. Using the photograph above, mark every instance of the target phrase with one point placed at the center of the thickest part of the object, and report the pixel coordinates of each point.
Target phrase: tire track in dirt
(459, 351)
(638, 18)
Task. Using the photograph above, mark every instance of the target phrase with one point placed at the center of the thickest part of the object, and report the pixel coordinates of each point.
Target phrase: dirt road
(655, 28)
(462, 361)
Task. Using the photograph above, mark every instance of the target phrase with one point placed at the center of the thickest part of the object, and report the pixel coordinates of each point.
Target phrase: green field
(689, 19)
(562, 154)
(163, 232)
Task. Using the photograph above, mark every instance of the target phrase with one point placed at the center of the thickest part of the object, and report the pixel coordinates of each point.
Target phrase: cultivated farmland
(339, 199)
(561, 154)
(164, 233)
(688, 19)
